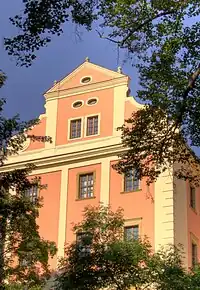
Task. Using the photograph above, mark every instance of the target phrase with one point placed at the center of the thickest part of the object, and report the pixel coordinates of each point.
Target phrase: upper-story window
(86, 80)
(92, 101)
(192, 197)
(75, 129)
(86, 185)
(32, 193)
(77, 104)
(92, 126)
(131, 233)
(131, 181)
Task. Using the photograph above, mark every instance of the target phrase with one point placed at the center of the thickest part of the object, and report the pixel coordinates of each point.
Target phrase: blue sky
(25, 86)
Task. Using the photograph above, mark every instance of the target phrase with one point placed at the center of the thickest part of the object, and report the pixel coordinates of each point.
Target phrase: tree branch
(107, 38)
(145, 23)
(191, 84)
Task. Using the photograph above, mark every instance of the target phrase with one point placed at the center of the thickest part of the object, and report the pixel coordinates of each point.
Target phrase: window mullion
(93, 122)
(76, 128)
(87, 185)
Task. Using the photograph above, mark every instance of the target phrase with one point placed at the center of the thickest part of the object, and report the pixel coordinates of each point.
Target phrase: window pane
(86, 188)
(92, 125)
(131, 233)
(32, 193)
(194, 254)
(75, 129)
(192, 197)
(131, 181)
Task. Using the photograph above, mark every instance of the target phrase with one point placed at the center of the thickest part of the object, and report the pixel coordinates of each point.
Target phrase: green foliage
(165, 48)
(154, 145)
(103, 259)
(23, 254)
(20, 287)
(162, 39)
(41, 19)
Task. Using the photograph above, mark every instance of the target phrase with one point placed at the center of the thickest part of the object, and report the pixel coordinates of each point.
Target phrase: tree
(101, 258)
(23, 253)
(162, 41)
(20, 287)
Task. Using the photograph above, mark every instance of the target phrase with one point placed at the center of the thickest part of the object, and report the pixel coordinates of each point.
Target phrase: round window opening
(92, 102)
(77, 104)
(85, 80)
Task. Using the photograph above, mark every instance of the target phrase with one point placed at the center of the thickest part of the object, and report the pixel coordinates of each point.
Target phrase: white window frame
(194, 240)
(85, 122)
(91, 98)
(69, 128)
(134, 222)
(72, 105)
(86, 77)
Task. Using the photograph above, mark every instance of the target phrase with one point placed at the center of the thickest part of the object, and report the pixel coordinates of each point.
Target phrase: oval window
(92, 101)
(85, 80)
(77, 104)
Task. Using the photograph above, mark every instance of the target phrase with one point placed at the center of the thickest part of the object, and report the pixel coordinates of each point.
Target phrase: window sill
(124, 192)
(76, 138)
(86, 198)
(93, 135)
(193, 209)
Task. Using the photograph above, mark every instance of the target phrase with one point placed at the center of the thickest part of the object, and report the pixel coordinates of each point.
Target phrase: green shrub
(21, 287)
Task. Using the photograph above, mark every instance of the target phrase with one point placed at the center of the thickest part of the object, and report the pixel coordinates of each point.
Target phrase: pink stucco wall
(193, 223)
(104, 107)
(75, 206)
(49, 213)
(38, 130)
(97, 76)
(129, 109)
(137, 204)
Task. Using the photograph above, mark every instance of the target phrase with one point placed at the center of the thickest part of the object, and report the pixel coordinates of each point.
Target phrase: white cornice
(89, 65)
(67, 158)
(85, 89)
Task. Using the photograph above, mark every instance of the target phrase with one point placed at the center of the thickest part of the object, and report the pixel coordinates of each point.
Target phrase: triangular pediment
(87, 70)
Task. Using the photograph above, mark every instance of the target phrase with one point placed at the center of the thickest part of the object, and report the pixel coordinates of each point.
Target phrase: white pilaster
(62, 212)
(105, 181)
(164, 210)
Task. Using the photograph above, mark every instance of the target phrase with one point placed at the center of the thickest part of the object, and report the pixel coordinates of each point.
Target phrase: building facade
(82, 113)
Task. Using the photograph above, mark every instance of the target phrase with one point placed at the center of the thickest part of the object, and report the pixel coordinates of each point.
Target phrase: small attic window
(92, 101)
(86, 80)
(77, 104)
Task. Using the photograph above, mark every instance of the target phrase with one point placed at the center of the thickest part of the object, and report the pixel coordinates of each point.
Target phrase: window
(83, 241)
(32, 193)
(86, 185)
(92, 126)
(131, 233)
(77, 104)
(75, 129)
(194, 254)
(131, 181)
(192, 197)
(86, 80)
(92, 102)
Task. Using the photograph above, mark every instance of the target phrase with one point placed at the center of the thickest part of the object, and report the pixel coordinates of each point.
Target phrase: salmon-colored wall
(49, 213)
(65, 112)
(38, 130)
(129, 109)
(193, 223)
(96, 75)
(137, 204)
(75, 207)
